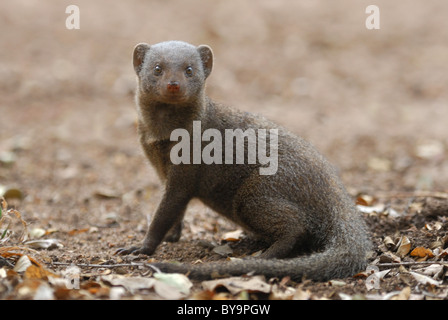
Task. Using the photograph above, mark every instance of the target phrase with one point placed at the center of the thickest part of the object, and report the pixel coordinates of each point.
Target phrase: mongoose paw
(132, 250)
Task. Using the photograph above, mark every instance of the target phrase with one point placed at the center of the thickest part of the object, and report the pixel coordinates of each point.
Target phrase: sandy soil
(375, 102)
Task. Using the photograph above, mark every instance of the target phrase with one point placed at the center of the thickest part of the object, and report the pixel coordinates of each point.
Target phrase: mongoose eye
(189, 71)
(158, 70)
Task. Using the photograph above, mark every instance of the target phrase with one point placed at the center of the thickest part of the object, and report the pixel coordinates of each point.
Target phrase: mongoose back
(302, 210)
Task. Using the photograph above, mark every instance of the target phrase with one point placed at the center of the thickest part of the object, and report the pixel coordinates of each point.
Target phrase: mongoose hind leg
(174, 233)
(275, 221)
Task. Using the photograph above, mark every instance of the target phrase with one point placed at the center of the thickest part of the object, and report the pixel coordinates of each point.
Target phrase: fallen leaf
(31, 270)
(36, 233)
(374, 277)
(106, 194)
(434, 270)
(223, 250)
(6, 214)
(279, 292)
(48, 244)
(137, 285)
(344, 296)
(429, 149)
(33, 289)
(389, 257)
(337, 283)
(436, 244)
(10, 193)
(404, 246)
(435, 226)
(236, 285)
(403, 295)
(379, 164)
(301, 294)
(379, 208)
(7, 252)
(233, 236)
(422, 252)
(22, 264)
(176, 280)
(38, 272)
(443, 253)
(425, 279)
(365, 200)
(7, 158)
(131, 284)
(388, 242)
(77, 231)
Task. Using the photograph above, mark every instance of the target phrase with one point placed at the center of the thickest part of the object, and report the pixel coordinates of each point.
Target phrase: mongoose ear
(206, 54)
(139, 55)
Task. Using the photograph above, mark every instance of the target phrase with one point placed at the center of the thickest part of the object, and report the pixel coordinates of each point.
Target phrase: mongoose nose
(173, 86)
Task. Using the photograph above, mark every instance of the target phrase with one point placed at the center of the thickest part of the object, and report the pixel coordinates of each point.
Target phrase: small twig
(109, 266)
(398, 264)
(415, 194)
(89, 265)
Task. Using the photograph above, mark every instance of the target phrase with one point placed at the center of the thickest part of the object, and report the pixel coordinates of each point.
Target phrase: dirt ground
(374, 102)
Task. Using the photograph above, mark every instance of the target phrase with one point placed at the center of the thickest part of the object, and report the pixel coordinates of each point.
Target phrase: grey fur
(303, 209)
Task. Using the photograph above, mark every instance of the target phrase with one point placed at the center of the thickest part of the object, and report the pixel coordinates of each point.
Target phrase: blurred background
(375, 102)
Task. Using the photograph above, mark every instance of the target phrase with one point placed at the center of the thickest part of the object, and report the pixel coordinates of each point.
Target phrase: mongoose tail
(339, 259)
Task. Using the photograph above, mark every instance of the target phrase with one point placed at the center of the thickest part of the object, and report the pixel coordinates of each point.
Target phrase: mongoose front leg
(167, 219)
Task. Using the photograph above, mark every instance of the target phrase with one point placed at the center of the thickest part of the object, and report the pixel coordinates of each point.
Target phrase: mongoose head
(172, 72)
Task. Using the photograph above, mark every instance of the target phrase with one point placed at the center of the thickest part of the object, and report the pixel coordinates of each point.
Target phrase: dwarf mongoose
(300, 208)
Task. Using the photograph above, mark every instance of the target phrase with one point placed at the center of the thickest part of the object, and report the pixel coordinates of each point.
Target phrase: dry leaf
(429, 149)
(38, 272)
(425, 279)
(279, 292)
(137, 284)
(33, 289)
(48, 244)
(7, 252)
(238, 284)
(22, 264)
(388, 257)
(422, 252)
(77, 231)
(403, 295)
(7, 158)
(176, 280)
(404, 246)
(10, 193)
(302, 294)
(436, 244)
(106, 194)
(434, 270)
(233, 236)
(379, 164)
(365, 200)
(36, 233)
(379, 208)
(5, 214)
(443, 253)
(223, 250)
(388, 242)
(32, 270)
(434, 226)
